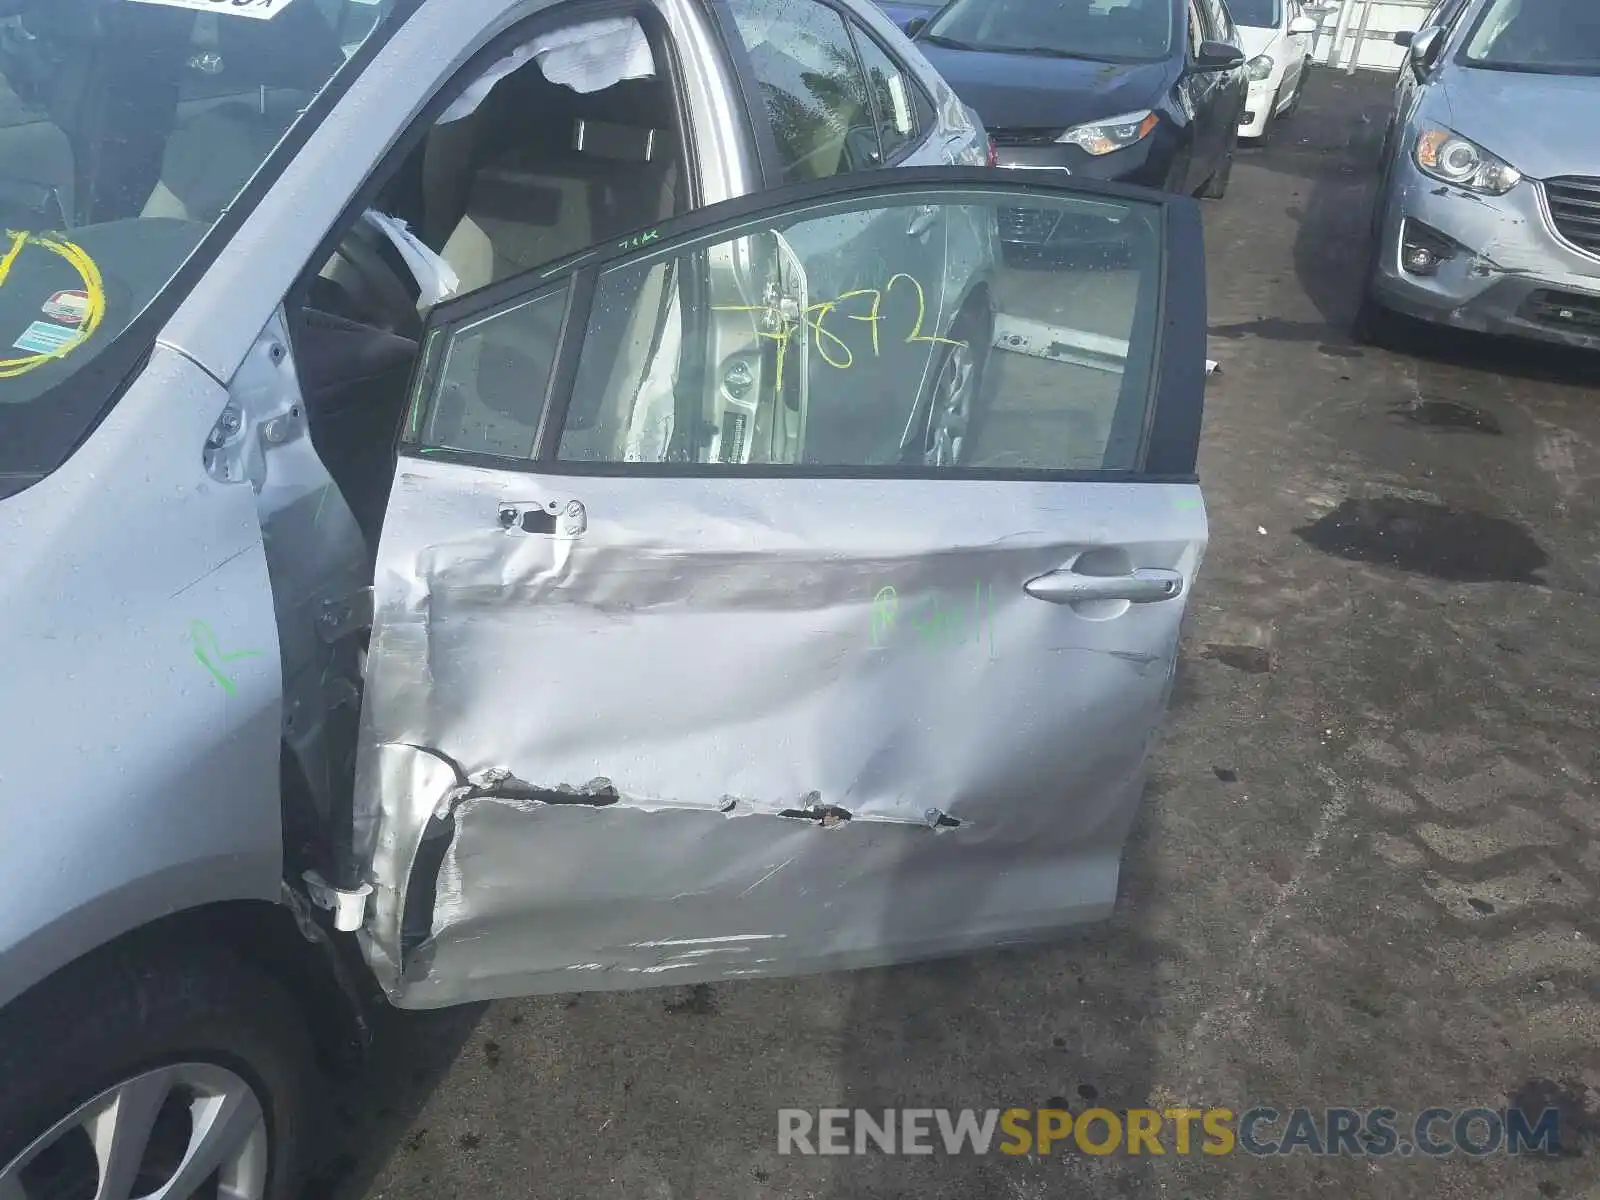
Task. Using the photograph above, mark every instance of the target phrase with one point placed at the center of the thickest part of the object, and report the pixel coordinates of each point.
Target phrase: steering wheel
(379, 292)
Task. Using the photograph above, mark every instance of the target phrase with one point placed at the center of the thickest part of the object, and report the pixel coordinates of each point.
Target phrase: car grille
(1024, 137)
(1575, 209)
(1563, 310)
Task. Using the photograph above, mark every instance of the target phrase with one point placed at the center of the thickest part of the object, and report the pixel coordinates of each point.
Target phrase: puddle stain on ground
(1429, 539)
(1576, 1105)
(1448, 415)
(1278, 329)
(1252, 660)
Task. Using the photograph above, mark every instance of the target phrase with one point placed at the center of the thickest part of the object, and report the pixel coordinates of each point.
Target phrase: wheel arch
(279, 936)
(978, 299)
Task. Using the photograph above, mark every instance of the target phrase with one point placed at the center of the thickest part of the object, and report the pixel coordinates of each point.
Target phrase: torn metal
(675, 742)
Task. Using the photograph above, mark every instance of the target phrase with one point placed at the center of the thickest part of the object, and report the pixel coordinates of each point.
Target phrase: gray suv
(1487, 215)
(501, 498)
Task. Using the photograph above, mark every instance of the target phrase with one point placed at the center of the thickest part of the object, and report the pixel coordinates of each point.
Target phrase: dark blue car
(903, 12)
(1139, 91)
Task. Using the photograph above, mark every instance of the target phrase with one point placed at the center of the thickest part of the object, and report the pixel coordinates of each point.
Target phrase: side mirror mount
(1303, 25)
(1424, 49)
(916, 25)
(1217, 57)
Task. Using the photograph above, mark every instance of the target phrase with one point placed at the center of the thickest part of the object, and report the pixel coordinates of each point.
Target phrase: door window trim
(767, 155)
(1167, 447)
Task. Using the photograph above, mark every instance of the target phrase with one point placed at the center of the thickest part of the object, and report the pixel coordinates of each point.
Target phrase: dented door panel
(727, 754)
(631, 723)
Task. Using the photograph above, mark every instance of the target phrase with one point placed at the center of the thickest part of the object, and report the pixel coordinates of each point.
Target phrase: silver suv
(1487, 215)
(499, 498)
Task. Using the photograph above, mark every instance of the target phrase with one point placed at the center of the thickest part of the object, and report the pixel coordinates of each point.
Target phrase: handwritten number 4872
(830, 347)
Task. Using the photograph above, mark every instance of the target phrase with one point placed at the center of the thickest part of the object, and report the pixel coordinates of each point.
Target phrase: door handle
(1146, 585)
(922, 223)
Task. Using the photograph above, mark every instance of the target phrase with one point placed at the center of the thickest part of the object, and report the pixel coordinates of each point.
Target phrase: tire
(954, 419)
(1267, 126)
(1177, 174)
(202, 1042)
(1216, 187)
(1374, 324)
(1299, 91)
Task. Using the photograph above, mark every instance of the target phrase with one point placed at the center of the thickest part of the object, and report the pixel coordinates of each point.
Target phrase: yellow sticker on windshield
(45, 342)
(262, 10)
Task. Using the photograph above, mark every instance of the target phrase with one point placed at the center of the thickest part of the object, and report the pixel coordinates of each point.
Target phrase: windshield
(1552, 37)
(1257, 14)
(127, 127)
(1102, 30)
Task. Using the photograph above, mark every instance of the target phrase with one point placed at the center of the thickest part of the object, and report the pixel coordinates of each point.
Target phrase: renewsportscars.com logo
(1260, 1131)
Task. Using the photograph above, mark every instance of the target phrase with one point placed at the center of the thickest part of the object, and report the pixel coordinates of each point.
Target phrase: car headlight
(1449, 157)
(1260, 67)
(1114, 133)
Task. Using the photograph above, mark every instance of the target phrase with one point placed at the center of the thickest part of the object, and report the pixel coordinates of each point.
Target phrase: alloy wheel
(950, 413)
(186, 1130)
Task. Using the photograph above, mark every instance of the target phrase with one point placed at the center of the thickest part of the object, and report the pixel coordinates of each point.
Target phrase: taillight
(994, 155)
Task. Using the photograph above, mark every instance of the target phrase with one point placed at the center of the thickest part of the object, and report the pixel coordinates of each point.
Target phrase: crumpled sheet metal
(706, 652)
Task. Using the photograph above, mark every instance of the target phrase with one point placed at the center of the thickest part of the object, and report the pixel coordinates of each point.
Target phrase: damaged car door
(640, 712)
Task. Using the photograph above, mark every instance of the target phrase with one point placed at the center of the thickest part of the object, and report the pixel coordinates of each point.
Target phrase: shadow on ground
(376, 1111)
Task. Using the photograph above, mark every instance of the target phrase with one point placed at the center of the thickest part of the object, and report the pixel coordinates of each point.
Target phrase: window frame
(922, 105)
(1168, 439)
(768, 156)
(1196, 29)
(1221, 20)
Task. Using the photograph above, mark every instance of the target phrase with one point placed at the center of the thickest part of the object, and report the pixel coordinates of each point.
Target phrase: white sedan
(1277, 37)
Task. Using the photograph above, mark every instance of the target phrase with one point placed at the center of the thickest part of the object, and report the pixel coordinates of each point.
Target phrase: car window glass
(1548, 36)
(811, 80)
(1219, 20)
(1197, 29)
(1259, 14)
(492, 379)
(129, 131)
(1105, 30)
(1451, 17)
(895, 96)
(800, 358)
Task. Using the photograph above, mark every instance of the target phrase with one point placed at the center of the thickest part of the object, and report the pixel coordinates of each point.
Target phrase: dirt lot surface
(1367, 870)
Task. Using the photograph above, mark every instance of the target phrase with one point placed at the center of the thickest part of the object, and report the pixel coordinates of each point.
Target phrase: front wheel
(166, 1075)
(1216, 187)
(1299, 91)
(958, 402)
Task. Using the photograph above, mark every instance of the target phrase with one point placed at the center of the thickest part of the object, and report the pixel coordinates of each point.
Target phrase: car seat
(540, 172)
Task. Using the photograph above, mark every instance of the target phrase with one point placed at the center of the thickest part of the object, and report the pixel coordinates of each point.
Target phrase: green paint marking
(937, 624)
(1188, 502)
(209, 654)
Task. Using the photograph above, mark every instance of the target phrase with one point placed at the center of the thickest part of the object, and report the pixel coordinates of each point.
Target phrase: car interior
(536, 171)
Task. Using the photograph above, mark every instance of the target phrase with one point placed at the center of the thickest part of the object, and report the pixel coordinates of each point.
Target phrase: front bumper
(1147, 163)
(1508, 271)
(1261, 99)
